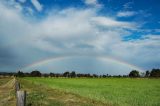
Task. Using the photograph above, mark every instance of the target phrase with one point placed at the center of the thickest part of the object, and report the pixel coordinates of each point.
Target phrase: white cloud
(128, 5)
(109, 22)
(92, 3)
(74, 31)
(27, 10)
(37, 5)
(18, 7)
(126, 13)
(14, 4)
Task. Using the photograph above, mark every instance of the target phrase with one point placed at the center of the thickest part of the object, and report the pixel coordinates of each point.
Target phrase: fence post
(17, 86)
(21, 98)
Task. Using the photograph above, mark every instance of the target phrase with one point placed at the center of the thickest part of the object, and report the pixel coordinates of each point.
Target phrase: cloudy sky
(89, 36)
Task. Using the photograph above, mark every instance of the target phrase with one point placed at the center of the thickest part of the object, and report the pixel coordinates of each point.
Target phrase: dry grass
(7, 97)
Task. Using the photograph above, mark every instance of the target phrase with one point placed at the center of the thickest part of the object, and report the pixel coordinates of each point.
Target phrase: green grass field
(41, 95)
(111, 91)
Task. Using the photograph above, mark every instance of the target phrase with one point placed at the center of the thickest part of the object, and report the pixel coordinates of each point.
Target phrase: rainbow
(102, 58)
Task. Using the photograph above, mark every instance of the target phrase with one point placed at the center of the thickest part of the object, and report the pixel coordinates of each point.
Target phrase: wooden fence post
(21, 98)
(17, 86)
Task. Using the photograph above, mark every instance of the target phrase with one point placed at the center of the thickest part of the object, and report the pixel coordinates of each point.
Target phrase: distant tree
(78, 75)
(52, 75)
(109, 75)
(27, 74)
(125, 76)
(155, 73)
(147, 74)
(134, 73)
(58, 75)
(104, 76)
(95, 75)
(35, 73)
(66, 74)
(119, 76)
(73, 74)
(20, 74)
(45, 75)
(87, 75)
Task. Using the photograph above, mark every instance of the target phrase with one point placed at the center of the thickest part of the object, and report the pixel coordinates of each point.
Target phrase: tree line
(73, 74)
(152, 73)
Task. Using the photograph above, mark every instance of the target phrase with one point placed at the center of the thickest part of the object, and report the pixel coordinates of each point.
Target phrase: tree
(20, 74)
(73, 74)
(147, 74)
(35, 73)
(52, 75)
(66, 74)
(95, 76)
(45, 75)
(134, 73)
(155, 73)
(104, 76)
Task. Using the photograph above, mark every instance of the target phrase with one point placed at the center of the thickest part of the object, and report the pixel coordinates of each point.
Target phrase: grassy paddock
(4, 80)
(115, 91)
(40, 95)
(7, 93)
